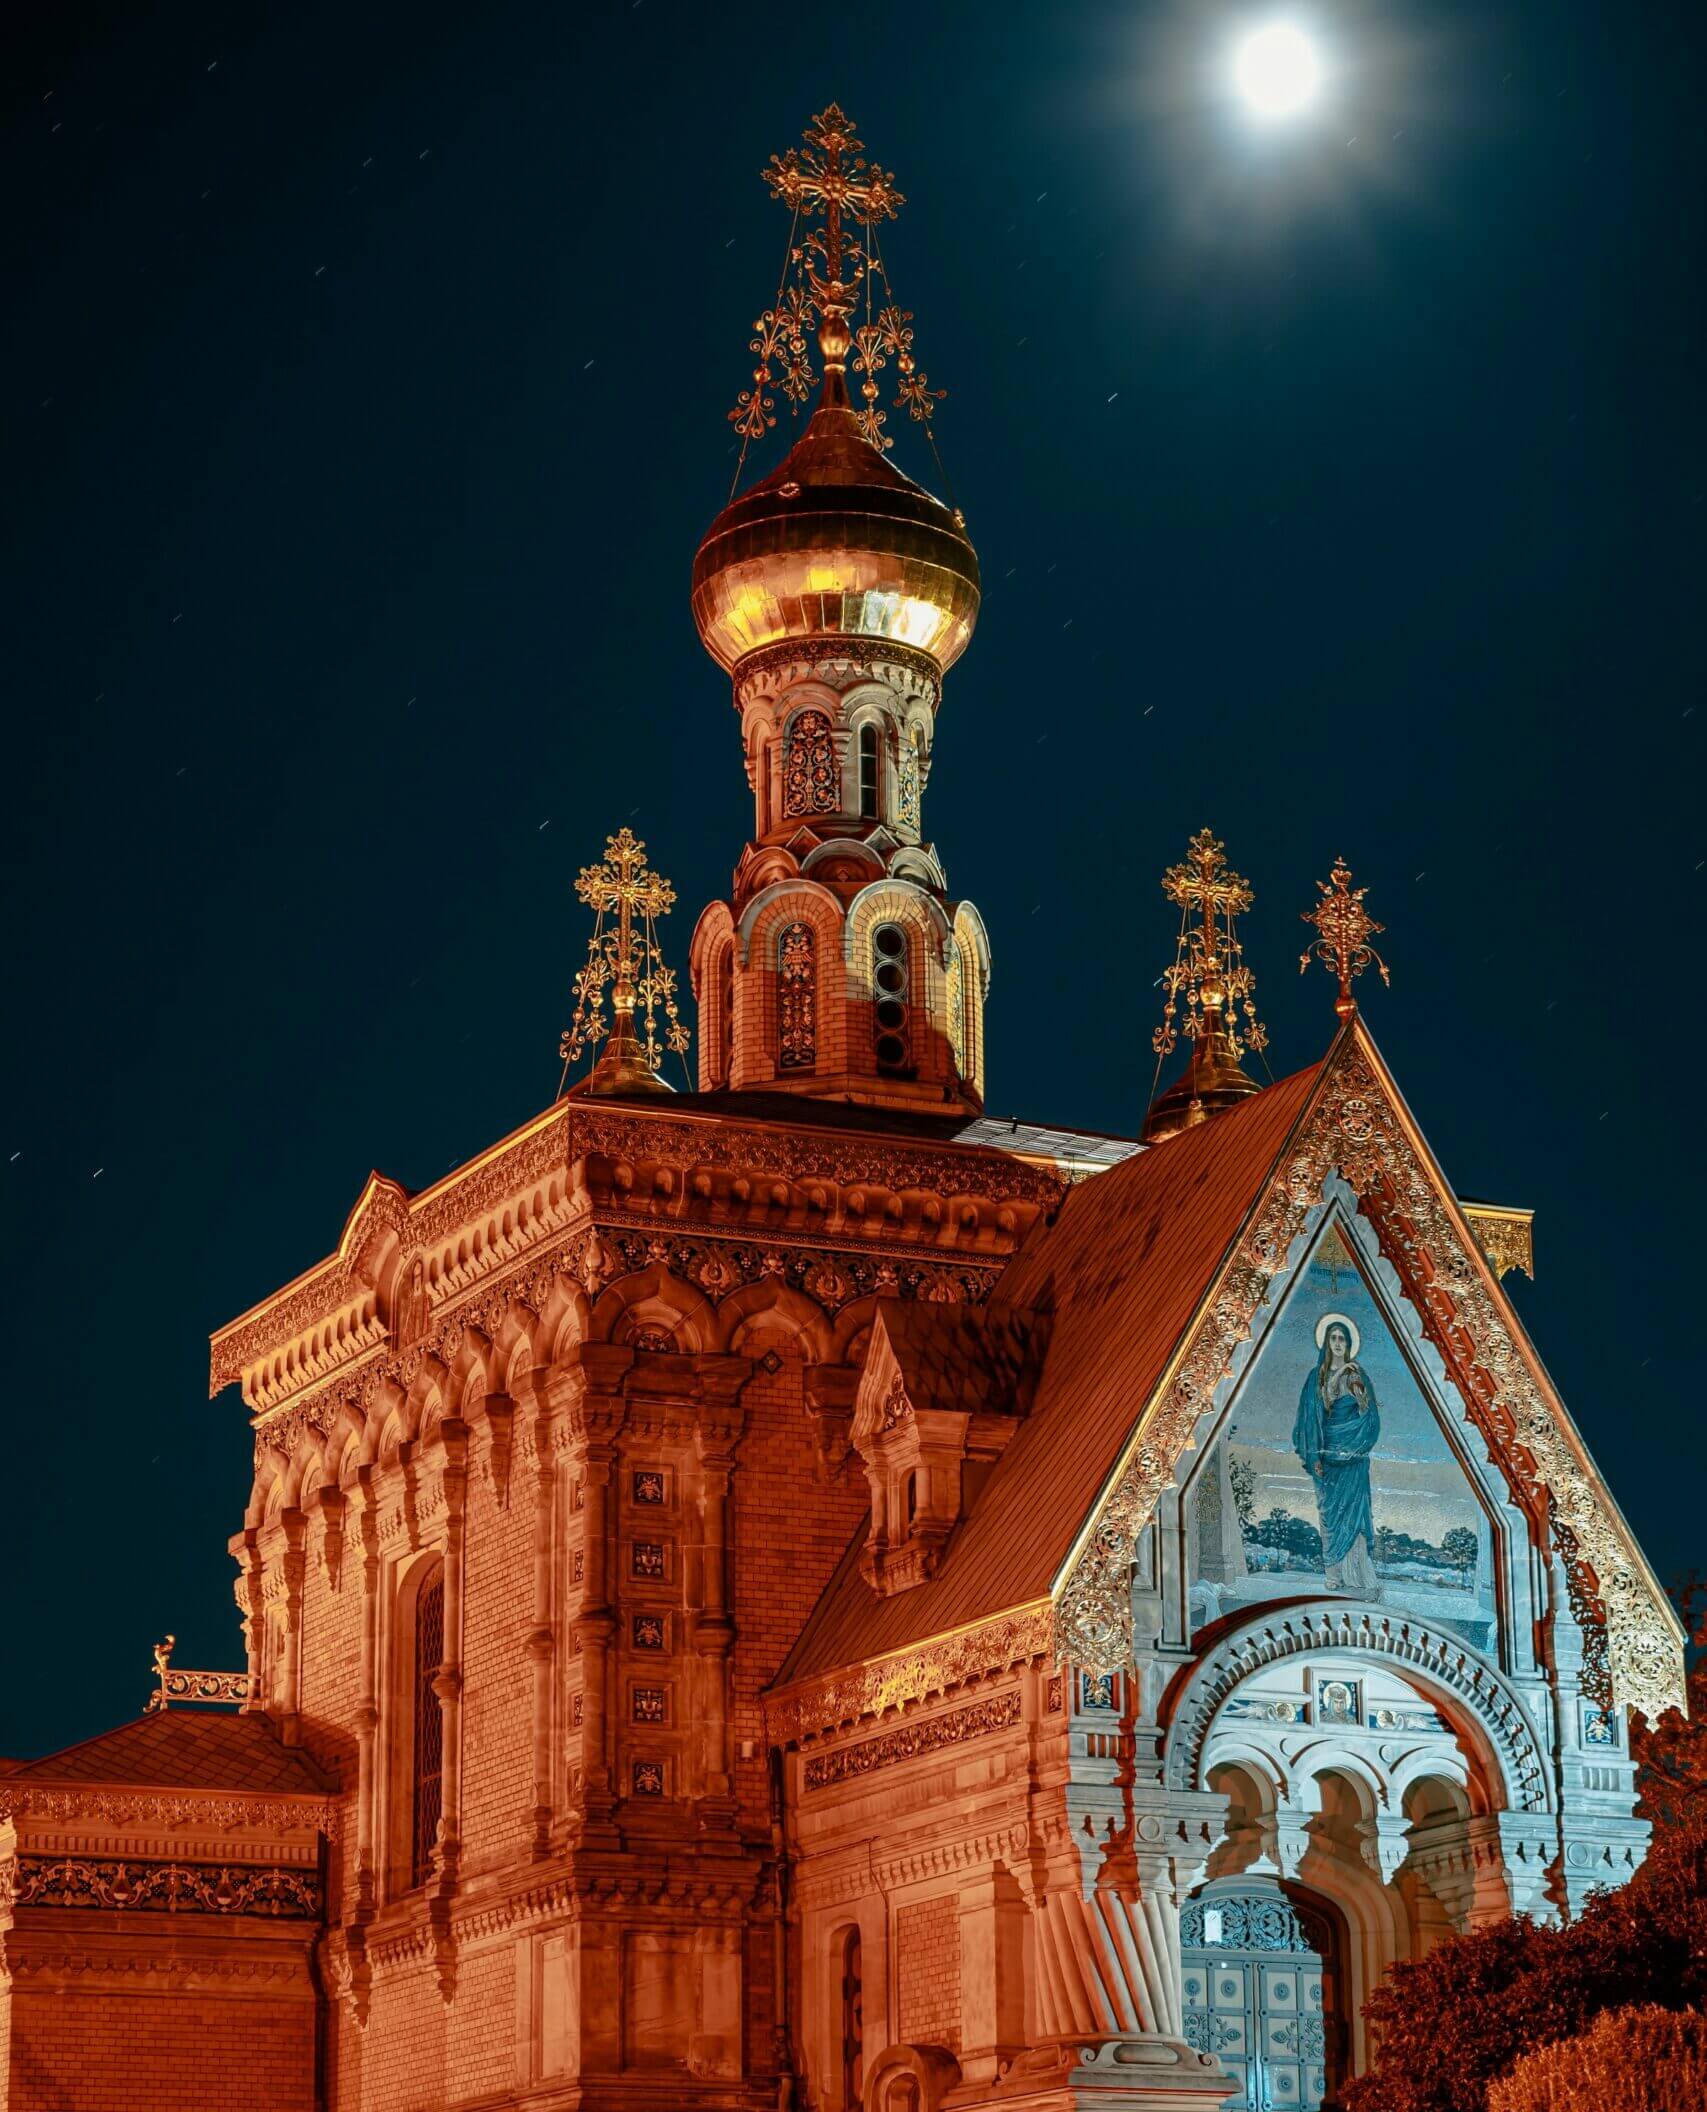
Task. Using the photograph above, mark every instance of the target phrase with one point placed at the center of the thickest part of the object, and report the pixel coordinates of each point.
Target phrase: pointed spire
(1211, 984)
(1344, 929)
(625, 956)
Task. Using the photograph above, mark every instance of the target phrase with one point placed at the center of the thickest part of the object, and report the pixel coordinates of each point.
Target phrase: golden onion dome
(835, 543)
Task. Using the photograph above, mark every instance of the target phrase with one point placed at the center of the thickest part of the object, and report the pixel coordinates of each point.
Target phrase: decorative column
(295, 1572)
(246, 1552)
(448, 1684)
(367, 1705)
(718, 1432)
(542, 1638)
(589, 1385)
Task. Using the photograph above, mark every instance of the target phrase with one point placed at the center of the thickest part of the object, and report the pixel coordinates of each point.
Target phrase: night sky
(363, 393)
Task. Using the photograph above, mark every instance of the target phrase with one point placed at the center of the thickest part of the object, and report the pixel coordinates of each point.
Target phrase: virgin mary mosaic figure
(1338, 1425)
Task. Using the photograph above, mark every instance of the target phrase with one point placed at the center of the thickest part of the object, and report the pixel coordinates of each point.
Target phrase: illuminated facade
(801, 1593)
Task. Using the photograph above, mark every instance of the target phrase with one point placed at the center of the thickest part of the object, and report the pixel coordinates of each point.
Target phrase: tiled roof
(977, 1358)
(1119, 1274)
(187, 1749)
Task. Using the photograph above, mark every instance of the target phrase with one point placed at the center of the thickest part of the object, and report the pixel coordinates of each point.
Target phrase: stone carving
(929, 1735)
(1352, 1126)
(164, 1807)
(910, 1675)
(1444, 1659)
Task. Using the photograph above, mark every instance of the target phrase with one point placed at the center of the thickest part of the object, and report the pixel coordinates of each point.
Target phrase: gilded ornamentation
(1344, 929)
(934, 1667)
(912, 1740)
(1352, 1126)
(797, 998)
(235, 1688)
(1506, 1237)
(811, 777)
(171, 1888)
(165, 1807)
(1208, 971)
(627, 959)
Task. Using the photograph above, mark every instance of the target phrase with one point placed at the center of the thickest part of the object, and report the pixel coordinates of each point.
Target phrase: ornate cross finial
(841, 198)
(624, 955)
(1208, 964)
(1345, 929)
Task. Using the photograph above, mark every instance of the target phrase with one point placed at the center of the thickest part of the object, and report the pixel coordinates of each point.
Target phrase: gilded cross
(1209, 967)
(1344, 930)
(624, 955)
(830, 175)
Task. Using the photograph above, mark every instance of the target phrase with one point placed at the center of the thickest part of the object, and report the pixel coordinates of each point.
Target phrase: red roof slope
(1121, 1272)
(187, 1749)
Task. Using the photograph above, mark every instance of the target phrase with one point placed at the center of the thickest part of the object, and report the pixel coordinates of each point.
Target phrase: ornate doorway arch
(1263, 1969)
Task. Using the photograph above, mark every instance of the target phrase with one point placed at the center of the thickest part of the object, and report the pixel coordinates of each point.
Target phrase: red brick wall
(173, 2040)
(927, 1940)
(790, 1530)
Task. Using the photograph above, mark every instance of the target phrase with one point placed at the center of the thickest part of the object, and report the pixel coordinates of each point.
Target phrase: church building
(803, 1592)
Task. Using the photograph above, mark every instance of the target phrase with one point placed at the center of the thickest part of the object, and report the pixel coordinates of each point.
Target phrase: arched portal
(1263, 1972)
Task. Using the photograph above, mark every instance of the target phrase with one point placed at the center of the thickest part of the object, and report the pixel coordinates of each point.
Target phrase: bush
(1639, 2059)
(1448, 2024)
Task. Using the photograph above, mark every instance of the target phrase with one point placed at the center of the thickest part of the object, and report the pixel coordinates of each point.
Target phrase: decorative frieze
(170, 1888)
(911, 1741)
(934, 1667)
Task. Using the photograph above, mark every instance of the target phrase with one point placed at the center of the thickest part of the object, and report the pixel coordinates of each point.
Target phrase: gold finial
(828, 181)
(1345, 929)
(626, 956)
(1210, 977)
(1209, 962)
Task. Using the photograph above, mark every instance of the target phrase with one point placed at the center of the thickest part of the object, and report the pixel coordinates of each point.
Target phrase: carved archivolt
(1437, 1656)
(1354, 1126)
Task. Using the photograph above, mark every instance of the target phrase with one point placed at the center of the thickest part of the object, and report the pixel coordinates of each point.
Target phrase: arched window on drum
(891, 991)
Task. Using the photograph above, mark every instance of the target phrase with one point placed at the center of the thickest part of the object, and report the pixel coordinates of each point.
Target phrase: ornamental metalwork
(1208, 978)
(232, 1689)
(1243, 1923)
(1344, 928)
(912, 1741)
(797, 998)
(171, 1888)
(623, 956)
(1505, 1236)
(811, 778)
(834, 256)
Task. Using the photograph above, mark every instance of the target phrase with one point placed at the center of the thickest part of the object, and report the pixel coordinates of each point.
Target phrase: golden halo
(1340, 1319)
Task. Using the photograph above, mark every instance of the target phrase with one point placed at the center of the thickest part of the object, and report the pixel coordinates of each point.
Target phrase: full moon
(1276, 70)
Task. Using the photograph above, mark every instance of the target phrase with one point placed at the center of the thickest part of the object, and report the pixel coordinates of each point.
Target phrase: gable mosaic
(1334, 1472)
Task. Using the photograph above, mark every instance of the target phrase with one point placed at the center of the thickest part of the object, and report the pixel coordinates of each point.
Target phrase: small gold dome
(835, 543)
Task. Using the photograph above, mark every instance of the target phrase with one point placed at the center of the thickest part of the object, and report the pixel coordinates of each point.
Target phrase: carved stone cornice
(913, 1740)
(936, 1666)
(773, 669)
(120, 1805)
(1356, 1126)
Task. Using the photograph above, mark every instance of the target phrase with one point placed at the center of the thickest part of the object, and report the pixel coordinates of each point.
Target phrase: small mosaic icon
(647, 1631)
(647, 1560)
(648, 1704)
(648, 1485)
(1096, 1690)
(647, 1778)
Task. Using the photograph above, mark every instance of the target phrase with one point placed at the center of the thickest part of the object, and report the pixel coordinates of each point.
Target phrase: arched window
(890, 989)
(809, 766)
(427, 1779)
(725, 1016)
(868, 737)
(797, 998)
(853, 2024)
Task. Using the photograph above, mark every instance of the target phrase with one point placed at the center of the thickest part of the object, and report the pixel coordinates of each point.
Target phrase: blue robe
(1334, 1442)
